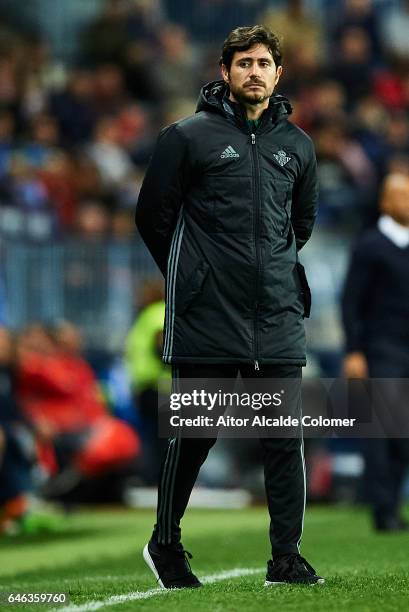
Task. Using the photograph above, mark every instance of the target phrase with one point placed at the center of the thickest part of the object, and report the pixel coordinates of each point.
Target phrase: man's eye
(244, 64)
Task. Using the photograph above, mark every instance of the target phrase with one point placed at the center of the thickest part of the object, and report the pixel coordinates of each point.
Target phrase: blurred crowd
(75, 137)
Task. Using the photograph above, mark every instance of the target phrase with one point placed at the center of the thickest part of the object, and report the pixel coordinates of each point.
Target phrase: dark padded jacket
(224, 212)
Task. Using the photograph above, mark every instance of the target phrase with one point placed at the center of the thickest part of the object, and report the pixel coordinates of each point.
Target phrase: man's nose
(255, 71)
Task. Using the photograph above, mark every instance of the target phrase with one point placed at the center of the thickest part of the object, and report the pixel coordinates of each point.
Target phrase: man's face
(253, 75)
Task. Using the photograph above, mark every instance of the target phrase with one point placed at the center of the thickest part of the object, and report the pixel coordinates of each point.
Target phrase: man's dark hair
(242, 39)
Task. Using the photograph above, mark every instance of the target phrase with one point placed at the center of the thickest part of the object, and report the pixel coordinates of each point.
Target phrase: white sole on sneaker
(268, 583)
(149, 562)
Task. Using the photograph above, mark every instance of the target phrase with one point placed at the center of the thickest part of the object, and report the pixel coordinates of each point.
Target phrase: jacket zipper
(257, 244)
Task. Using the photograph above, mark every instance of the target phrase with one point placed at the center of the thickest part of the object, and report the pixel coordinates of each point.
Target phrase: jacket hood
(211, 99)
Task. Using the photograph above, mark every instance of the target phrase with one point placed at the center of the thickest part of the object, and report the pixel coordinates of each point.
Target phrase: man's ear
(225, 73)
(278, 74)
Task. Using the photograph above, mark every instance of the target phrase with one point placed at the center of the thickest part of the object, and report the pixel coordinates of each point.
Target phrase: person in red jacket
(59, 392)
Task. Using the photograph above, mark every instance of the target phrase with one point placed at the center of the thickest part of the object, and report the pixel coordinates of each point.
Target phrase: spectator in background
(359, 14)
(370, 120)
(87, 180)
(113, 162)
(43, 139)
(354, 64)
(10, 60)
(376, 323)
(346, 175)
(176, 73)
(395, 27)
(125, 34)
(390, 88)
(298, 29)
(6, 140)
(59, 394)
(105, 38)
(26, 199)
(4, 314)
(324, 100)
(144, 18)
(123, 225)
(57, 176)
(17, 456)
(397, 134)
(92, 221)
(72, 106)
(143, 355)
(109, 93)
(208, 20)
(69, 343)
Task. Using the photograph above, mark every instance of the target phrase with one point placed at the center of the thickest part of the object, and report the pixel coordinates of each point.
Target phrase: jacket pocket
(305, 289)
(277, 207)
(191, 288)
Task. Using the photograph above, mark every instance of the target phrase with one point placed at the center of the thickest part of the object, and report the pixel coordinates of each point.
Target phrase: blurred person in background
(370, 120)
(359, 14)
(16, 459)
(347, 178)
(105, 38)
(208, 20)
(109, 91)
(92, 222)
(394, 28)
(7, 125)
(397, 134)
(176, 73)
(376, 323)
(25, 196)
(298, 29)
(17, 456)
(123, 226)
(110, 157)
(143, 356)
(57, 175)
(73, 108)
(353, 66)
(42, 141)
(60, 395)
(126, 34)
(4, 308)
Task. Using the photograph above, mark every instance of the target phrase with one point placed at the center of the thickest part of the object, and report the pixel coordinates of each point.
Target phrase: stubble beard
(252, 99)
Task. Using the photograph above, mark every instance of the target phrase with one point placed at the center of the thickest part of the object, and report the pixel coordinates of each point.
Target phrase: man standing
(228, 200)
(375, 316)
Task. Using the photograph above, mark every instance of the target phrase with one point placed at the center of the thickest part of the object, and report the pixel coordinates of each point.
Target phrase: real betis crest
(282, 157)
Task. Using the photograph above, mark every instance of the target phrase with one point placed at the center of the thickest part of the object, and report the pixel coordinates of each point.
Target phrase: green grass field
(99, 556)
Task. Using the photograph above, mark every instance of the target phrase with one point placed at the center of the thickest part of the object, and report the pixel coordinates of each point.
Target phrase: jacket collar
(214, 98)
(397, 233)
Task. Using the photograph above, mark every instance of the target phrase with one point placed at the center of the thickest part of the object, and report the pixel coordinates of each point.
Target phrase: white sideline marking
(135, 595)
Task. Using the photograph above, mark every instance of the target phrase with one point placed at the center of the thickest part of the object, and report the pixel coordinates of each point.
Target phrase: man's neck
(253, 111)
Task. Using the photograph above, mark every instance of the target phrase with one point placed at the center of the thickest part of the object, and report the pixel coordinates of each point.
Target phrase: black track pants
(284, 466)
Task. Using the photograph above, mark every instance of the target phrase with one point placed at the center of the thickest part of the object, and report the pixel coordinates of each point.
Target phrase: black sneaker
(291, 569)
(171, 566)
